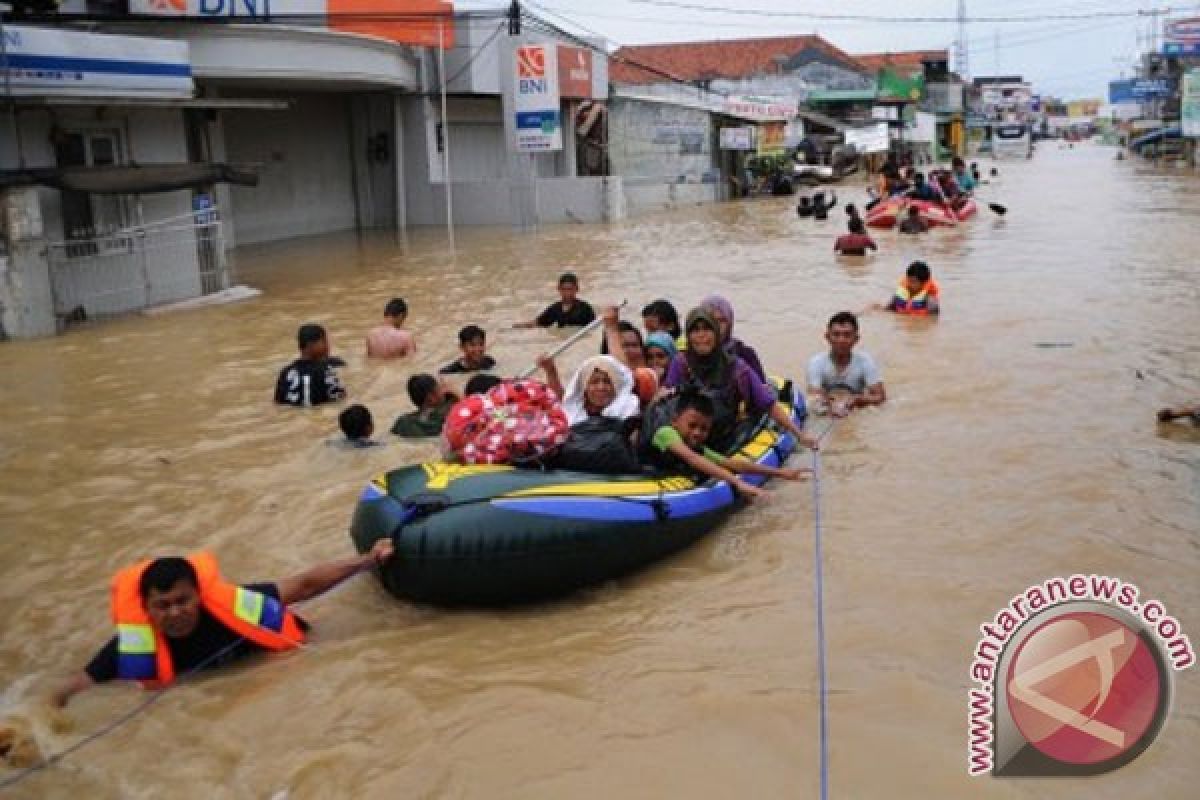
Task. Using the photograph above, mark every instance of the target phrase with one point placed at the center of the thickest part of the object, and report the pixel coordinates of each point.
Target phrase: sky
(1066, 58)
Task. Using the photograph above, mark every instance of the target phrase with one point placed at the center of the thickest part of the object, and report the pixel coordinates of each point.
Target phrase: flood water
(995, 464)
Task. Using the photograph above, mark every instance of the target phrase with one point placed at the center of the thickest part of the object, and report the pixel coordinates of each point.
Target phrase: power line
(815, 15)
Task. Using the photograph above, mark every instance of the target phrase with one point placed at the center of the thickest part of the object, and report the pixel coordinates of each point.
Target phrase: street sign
(537, 102)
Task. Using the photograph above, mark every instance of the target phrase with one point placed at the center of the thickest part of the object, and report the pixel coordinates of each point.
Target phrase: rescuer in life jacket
(177, 615)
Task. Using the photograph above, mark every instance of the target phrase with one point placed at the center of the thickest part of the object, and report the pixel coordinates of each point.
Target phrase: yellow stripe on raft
(608, 488)
(440, 476)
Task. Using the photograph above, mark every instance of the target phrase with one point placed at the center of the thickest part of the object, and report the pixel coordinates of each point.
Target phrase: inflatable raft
(885, 214)
(495, 535)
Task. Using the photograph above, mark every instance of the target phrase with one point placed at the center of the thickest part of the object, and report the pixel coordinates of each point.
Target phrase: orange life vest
(915, 304)
(142, 652)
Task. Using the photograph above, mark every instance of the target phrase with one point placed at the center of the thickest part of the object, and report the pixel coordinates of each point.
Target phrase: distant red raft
(885, 214)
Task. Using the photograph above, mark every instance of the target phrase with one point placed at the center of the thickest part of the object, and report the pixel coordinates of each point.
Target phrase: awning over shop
(1172, 132)
(820, 119)
(206, 103)
(145, 179)
(843, 96)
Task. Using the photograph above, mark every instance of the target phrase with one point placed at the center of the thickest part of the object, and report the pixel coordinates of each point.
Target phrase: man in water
(842, 380)
(570, 311)
(176, 616)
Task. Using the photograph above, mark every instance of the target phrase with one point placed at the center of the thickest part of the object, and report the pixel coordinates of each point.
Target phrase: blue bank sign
(1130, 91)
(41, 61)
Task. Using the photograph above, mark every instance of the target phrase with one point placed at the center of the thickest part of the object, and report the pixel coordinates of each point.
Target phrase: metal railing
(128, 269)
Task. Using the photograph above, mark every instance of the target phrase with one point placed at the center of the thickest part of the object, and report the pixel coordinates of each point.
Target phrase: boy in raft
(310, 380)
(917, 295)
(842, 380)
(472, 341)
(570, 311)
(177, 615)
(358, 426)
(433, 400)
(680, 447)
(391, 340)
(856, 242)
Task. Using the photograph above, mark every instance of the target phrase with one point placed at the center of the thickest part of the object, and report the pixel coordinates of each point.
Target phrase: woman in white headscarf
(601, 387)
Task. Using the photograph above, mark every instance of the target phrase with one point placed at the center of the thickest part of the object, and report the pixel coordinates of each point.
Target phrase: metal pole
(445, 136)
(534, 177)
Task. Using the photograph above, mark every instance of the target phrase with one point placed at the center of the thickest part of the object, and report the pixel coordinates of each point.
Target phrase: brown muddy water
(995, 464)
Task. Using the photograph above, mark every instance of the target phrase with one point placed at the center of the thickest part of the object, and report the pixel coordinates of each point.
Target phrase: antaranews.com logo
(1073, 677)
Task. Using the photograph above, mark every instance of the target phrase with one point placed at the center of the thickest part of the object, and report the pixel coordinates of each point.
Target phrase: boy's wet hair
(309, 334)
(481, 383)
(396, 307)
(420, 387)
(568, 279)
(844, 318)
(693, 400)
(470, 334)
(164, 573)
(918, 270)
(356, 422)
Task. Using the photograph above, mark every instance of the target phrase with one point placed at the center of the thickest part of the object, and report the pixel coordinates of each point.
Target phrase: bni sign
(537, 104)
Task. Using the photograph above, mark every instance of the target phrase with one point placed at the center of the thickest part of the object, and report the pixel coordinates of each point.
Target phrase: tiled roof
(731, 59)
(907, 60)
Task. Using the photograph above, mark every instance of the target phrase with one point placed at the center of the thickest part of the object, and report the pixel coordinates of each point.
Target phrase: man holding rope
(176, 616)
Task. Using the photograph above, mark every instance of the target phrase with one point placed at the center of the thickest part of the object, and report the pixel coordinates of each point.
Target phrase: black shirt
(581, 313)
(308, 383)
(455, 367)
(209, 638)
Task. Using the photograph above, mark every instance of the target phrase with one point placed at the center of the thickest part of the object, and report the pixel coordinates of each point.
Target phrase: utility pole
(960, 47)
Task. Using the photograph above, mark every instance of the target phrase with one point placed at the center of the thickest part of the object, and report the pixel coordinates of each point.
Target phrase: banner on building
(421, 23)
(575, 72)
(737, 138)
(45, 61)
(538, 104)
(910, 88)
(1189, 106)
(758, 108)
(924, 128)
(871, 139)
(772, 138)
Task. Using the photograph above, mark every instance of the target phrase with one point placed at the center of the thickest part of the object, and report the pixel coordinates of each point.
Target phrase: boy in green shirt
(433, 400)
(679, 447)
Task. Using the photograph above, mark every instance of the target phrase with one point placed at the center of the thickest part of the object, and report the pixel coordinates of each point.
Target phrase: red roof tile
(729, 59)
(907, 60)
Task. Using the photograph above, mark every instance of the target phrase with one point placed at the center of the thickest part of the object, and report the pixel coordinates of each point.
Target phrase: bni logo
(531, 62)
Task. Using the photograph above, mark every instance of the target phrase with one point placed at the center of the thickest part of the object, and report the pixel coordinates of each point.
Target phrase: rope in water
(105, 730)
(819, 591)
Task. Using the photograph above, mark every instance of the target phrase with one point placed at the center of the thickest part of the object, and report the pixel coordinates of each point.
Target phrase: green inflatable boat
(499, 535)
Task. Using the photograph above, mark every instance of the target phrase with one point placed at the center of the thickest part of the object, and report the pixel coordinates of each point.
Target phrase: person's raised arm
(323, 577)
(612, 335)
(549, 366)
